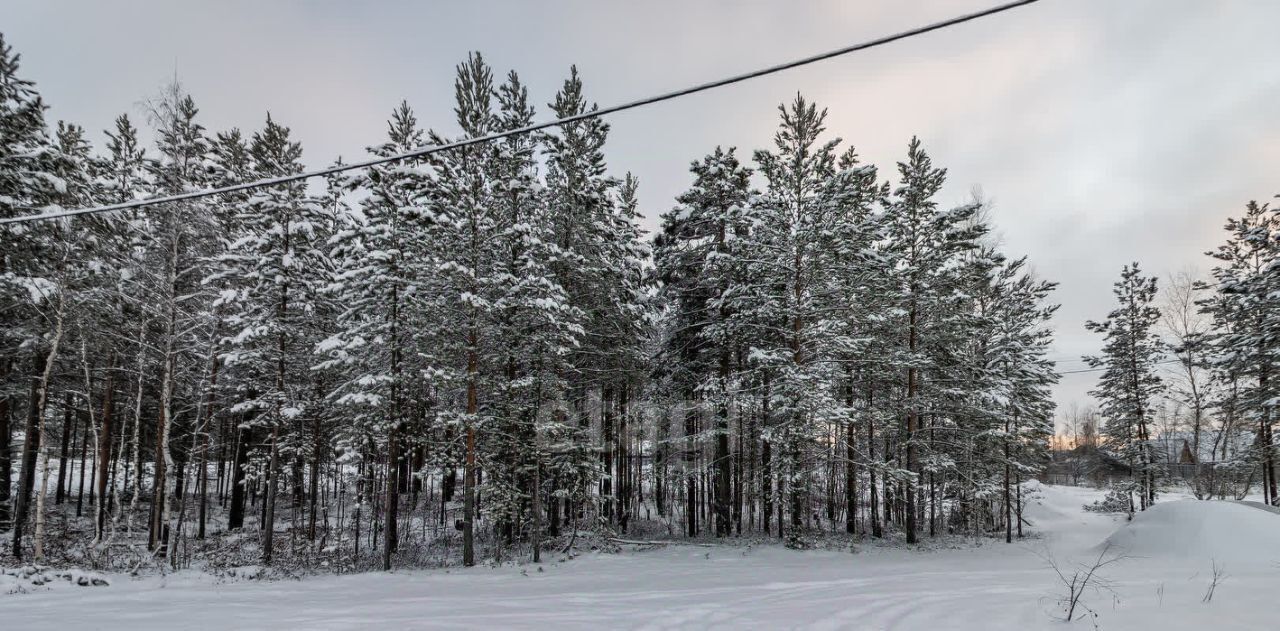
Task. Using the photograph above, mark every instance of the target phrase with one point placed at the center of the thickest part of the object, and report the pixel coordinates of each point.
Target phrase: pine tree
(813, 223)
(471, 232)
(695, 257)
(923, 243)
(274, 263)
(39, 272)
(1243, 310)
(1129, 383)
(580, 196)
(382, 266)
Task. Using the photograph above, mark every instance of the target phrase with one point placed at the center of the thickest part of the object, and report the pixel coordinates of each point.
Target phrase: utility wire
(428, 150)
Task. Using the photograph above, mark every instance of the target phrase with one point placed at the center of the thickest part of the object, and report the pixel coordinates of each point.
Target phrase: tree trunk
(389, 535)
(1008, 508)
(6, 448)
(105, 493)
(623, 482)
(235, 516)
(690, 472)
(874, 499)
(155, 535)
(269, 512)
(607, 497)
(68, 428)
(850, 469)
(317, 449)
(30, 447)
(209, 417)
(766, 463)
(913, 422)
(42, 401)
(722, 464)
(469, 472)
(84, 458)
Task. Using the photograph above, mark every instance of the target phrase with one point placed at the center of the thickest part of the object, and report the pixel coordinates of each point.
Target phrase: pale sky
(1105, 131)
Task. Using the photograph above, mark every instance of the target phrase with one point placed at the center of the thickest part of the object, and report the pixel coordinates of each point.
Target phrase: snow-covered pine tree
(857, 288)
(25, 185)
(924, 243)
(1015, 359)
(383, 262)
(40, 269)
(537, 324)
(1129, 382)
(695, 259)
(470, 254)
(122, 176)
(804, 221)
(273, 265)
(1245, 308)
(581, 199)
(231, 164)
(70, 282)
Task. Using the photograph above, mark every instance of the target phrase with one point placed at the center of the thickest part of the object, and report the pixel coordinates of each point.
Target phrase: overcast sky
(1104, 131)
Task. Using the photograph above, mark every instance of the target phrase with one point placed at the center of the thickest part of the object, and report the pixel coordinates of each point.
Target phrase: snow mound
(1048, 505)
(1226, 532)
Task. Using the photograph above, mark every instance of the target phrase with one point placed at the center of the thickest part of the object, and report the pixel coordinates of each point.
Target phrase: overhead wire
(594, 113)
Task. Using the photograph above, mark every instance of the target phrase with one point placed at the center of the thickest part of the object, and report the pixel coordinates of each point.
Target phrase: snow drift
(1228, 532)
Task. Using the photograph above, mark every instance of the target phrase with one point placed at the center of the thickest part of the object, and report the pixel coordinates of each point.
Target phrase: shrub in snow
(1116, 501)
(797, 539)
(20, 579)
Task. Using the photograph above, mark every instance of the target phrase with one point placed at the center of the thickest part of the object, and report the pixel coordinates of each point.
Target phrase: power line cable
(428, 150)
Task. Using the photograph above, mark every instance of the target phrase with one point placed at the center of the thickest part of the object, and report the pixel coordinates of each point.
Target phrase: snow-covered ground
(1171, 549)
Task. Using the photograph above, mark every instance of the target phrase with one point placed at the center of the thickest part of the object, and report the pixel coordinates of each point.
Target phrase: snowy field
(1161, 584)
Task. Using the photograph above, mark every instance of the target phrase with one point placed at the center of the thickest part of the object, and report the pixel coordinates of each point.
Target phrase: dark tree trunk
(269, 503)
(1008, 506)
(850, 470)
(913, 424)
(317, 448)
(690, 474)
(223, 439)
(155, 536)
(659, 477)
(68, 428)
(874, 499)
(738, 491)
(766, 463)
(105, 493)
(391, 538)
(448, 483)
(766, 485)
(623, 461)
(722, 463)
(240, 460)
(553, 511)
(84, 456)
(30, 447)
(607, 498)
(469, 470)
(6, 448)
(389, 535)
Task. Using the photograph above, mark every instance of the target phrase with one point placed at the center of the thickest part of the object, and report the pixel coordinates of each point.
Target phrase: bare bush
(1084, 579)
